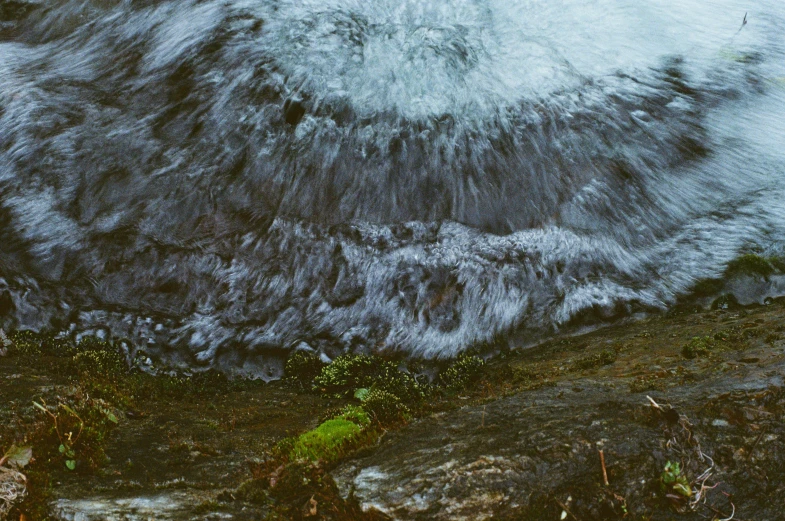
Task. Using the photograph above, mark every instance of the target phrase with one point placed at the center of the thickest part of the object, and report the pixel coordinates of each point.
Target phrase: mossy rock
(708, 287)
(604, 357)
(750, 264)
(697, 347)
(728, 301)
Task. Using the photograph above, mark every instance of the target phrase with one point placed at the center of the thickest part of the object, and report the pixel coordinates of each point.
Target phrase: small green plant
(672, 481)
(361, 394)
(80, 434)
(465, 370)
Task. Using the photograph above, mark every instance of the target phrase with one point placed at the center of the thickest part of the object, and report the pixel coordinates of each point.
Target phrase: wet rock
(163, 506)
(13, 11)
(6, 303)
(293, 111)
(517, 457)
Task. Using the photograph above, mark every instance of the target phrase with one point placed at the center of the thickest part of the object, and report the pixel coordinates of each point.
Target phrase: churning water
(223, 181)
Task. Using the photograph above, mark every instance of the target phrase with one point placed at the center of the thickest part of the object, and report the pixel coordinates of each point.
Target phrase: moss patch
(350, 372)
(604, 357)
(301, 368)
(330, 439)
(326, 441)
(386, 408)
(465, 370)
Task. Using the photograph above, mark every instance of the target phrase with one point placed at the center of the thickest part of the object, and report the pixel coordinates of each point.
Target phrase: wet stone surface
(535, 454)
(161, 506)
(521, 443)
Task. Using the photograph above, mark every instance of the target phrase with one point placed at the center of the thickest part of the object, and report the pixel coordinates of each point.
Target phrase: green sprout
(672, 480)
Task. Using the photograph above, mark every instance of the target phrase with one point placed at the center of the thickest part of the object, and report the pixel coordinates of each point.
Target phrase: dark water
(220, 182)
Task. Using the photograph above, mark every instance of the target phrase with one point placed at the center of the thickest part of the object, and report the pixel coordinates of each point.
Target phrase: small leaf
(70, 453)
(361, 394)
(18, 457)
(71, 464)
(62, 448)
(111, 417)
(41, 407)
(69, 410)
(682, 489)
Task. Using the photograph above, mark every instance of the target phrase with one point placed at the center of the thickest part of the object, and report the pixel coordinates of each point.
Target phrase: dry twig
(604, 472)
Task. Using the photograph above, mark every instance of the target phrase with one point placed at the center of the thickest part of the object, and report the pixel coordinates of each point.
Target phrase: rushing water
(223, 181)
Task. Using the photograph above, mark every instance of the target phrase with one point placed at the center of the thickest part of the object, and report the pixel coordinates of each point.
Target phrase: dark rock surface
(521, 443)
(536, 453)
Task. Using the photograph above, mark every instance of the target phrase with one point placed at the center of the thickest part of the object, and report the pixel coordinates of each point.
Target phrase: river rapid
(220, 182)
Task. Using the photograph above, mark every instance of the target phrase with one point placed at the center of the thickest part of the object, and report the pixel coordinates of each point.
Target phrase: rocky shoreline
(519, 438)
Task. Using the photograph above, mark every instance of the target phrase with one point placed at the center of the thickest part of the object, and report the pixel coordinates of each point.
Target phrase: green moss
(697, 347)
(604, 357)
(253, 491)
(326, 441)
(465, 370)
(25, 343)
(647, 383)
(355, 414)
(347, 373)
(330, 440)
(350, 372)
(100, 359)
(385, 408)
(29, 343)
(301, 368)
(141, 386)
(778, 263)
